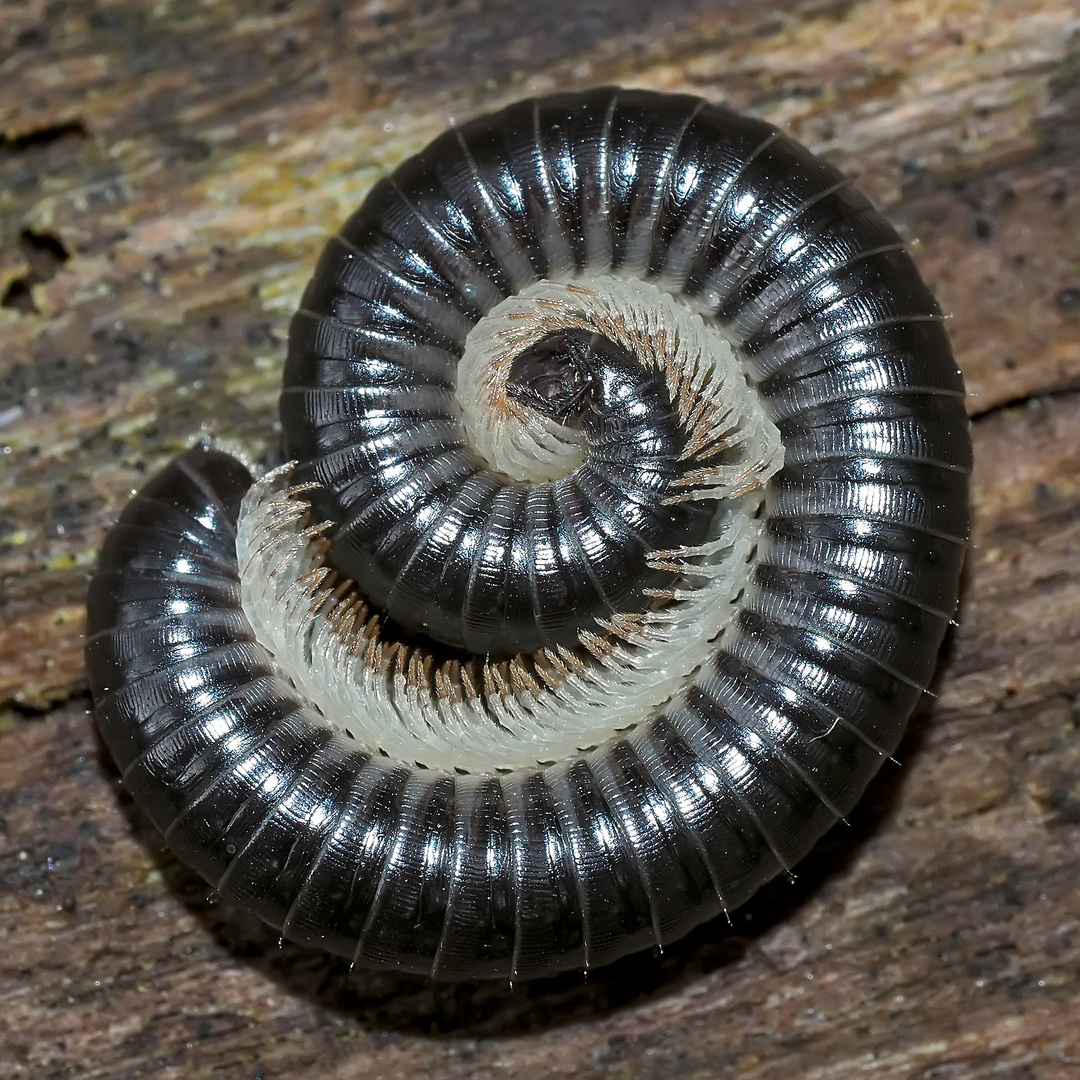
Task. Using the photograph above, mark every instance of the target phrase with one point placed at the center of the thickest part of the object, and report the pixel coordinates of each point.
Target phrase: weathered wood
(167, 174)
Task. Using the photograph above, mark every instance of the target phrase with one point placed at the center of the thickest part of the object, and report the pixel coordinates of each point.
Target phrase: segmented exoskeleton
(611, 398)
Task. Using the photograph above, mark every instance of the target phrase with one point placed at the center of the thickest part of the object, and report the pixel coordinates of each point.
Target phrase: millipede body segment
(626, 507)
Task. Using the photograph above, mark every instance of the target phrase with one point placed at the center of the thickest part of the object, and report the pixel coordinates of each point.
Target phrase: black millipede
(626, 503)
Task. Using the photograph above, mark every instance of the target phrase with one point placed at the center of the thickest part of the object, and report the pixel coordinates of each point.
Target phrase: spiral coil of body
(830, 633)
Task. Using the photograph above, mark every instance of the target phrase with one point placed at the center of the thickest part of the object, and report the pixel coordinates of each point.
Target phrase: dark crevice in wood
(43, 136)
(1066, 390)
(45, 254)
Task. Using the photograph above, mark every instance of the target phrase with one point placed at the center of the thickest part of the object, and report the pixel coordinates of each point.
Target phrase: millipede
(624, 512)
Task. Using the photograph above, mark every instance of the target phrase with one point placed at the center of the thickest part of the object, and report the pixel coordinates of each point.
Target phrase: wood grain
(167, 175)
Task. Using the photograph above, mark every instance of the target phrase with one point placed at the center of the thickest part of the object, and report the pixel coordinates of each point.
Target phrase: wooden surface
(167, 173)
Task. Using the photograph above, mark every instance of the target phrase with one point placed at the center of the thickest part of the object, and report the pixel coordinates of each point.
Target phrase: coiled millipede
(625, 516)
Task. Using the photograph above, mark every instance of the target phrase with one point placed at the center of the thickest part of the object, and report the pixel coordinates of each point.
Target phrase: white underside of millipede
(533, 710)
